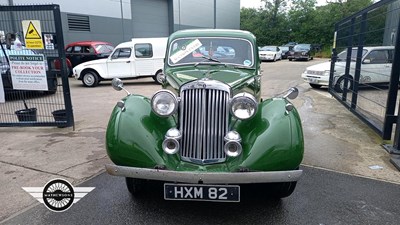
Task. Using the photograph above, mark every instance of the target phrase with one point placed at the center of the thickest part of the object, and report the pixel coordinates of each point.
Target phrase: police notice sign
(28, 72)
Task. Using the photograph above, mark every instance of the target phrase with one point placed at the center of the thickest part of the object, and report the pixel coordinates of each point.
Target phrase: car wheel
(159, 77)
(283, 190)
(53, 88)
(135, 186)
(316, 86)
(90, 79)
(290, 59)
(339, 86)
(69, 71)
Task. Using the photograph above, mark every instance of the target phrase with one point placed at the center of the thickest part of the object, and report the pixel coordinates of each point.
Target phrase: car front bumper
(298, 57)
(205, 177)
(267, 57)
(315, 79)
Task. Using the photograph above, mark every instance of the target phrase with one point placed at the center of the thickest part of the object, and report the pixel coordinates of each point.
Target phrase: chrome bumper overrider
(205, 177)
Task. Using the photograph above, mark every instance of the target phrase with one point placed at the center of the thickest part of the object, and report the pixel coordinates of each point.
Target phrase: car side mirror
(292, 93)
(367, 61)
(118, 85)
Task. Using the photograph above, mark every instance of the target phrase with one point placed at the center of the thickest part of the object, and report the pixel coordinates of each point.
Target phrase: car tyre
(135, 186)
(69, 72)
(90, 79)
(290, 59)
(316, 86)
(52, 88)
(339, 86)
(283, 190)
(158, 78)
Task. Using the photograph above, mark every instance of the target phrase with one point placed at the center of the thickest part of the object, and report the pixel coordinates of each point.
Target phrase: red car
(82, 51)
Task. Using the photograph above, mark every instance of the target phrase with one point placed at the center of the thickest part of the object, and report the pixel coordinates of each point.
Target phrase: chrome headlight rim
(174, 100)
(233, 139)
(246, 97)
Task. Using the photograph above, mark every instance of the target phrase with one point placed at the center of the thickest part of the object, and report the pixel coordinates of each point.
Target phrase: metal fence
(365, 69)
(35, 89)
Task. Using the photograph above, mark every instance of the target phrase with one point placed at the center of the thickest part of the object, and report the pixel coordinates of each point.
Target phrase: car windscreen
(103, 48)
(284, 48)
(9, 52)
(343, 55)
(302, 48)
(269, 48)
(235, 51)
(3, 60)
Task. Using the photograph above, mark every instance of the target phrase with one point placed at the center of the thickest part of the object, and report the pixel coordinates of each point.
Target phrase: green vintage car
(207, 131)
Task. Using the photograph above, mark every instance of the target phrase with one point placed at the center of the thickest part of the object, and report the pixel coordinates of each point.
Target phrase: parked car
(302, 52)
(207, 131)
(83, 51)
(376, 66)
(291, 44)
(6, 76)
(285, 51)
(270, 53)
(141, 57)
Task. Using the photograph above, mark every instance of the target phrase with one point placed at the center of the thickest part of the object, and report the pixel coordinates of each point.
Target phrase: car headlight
(164, 103)
(243, 106)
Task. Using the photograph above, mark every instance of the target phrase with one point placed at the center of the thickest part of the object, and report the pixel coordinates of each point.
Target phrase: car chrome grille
(313, 72)
(204, 123)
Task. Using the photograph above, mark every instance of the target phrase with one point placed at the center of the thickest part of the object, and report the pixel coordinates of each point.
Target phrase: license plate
(199, 192)
(312, 80)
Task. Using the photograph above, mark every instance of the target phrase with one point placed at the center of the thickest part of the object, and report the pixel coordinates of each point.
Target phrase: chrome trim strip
(205, 84)
(230, 38)
(205, 177)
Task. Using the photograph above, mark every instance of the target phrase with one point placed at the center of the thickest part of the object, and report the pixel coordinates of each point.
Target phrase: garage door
(150, 18)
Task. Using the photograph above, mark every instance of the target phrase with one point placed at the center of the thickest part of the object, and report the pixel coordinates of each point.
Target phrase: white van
(141, 57)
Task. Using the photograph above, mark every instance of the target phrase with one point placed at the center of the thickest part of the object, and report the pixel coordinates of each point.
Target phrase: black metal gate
(34, 88)
(365, 67)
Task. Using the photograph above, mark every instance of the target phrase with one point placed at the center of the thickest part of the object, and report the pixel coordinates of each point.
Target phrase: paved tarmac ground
(321, 197)
(335, 140)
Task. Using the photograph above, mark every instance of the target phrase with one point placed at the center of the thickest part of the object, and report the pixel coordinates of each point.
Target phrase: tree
(301, 20)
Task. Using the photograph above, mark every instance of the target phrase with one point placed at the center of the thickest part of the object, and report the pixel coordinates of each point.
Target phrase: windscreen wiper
(207, 58)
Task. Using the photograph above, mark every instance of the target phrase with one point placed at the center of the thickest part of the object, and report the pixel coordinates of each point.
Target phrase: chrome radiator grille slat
(203, 123)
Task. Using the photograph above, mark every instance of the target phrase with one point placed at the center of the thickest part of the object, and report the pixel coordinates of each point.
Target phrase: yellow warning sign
(32, 34)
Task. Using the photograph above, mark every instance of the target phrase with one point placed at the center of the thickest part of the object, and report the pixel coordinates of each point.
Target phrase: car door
(144, 63)
(74, 55)
(376, 67)
(88, 53)
(120, 63)
(278, 53)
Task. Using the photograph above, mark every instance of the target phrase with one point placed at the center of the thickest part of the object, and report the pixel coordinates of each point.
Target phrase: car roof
(127, 44)
(369, 48)
(213, 33)
(88, 43)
